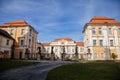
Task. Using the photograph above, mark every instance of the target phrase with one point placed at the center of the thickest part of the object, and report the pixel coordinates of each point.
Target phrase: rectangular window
(7, 42)
(119, 30)
(95, 55)
(72, 50)
(81, 49)
(29, 42)
(111, 42)
(11, 31)
(30, 32)
(110, 31)
(47, 49)
(21, 42)
(100, 31)
(22, 31)
(102, 56)
(101, 42)
(94, 42)
(56, 50)
(68, 50)
(93, 30)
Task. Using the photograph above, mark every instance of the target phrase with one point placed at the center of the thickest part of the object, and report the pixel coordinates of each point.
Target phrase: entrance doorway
(6, 54)
(20, 55)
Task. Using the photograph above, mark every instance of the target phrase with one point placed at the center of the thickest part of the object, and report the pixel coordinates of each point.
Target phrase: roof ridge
(15, 23)
(102, 19)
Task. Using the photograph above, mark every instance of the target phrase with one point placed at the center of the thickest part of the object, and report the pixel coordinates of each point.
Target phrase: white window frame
(102, 56)
(93, 31)
(110, 30)
(11, 31)
(95, 42)
(100, 42)
(95, 56)
(118, 30)
(22, 31)
(100, 30)
(23, 41)
(111, 44)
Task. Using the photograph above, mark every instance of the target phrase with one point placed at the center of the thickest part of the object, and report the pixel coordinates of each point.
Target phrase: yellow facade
(105, 31)
(25, 38)
(6, 43)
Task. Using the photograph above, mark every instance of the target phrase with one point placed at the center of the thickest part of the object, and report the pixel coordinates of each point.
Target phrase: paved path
(34, 72)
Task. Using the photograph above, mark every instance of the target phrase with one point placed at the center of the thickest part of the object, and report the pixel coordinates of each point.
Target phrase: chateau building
(25, 38)
(102, 38)
(6, 45)
(66, 46)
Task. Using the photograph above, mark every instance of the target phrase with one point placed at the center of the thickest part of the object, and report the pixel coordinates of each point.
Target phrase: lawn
(86, 71)
(6, 65)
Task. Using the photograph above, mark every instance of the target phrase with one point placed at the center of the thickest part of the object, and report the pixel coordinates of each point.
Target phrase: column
(106, 43)
(90, 45)
(116, 42)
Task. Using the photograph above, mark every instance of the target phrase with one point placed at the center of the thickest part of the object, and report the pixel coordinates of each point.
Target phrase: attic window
(106, 22)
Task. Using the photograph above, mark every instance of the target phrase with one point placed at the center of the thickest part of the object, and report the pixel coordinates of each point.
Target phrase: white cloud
(57, 18)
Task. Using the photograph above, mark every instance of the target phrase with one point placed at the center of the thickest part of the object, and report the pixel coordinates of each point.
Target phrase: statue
(76, 52)
(39, 53)
(27, 53)
(89, 54)
(52, 53)
(63, 54)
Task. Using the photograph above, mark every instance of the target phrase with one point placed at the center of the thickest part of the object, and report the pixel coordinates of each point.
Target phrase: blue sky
(58, 18)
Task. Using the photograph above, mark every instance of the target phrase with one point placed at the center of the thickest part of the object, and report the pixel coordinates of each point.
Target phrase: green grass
(86, 71)
(8, 64)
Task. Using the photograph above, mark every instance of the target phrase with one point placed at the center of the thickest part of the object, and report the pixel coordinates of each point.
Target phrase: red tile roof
(58, 39)
(15, 23)
(46, 44)
(80, 43)
(102, 19)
